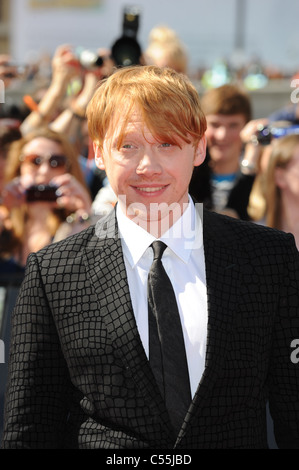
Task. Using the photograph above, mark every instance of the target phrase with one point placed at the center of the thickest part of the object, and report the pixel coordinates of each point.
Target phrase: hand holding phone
(41, 192)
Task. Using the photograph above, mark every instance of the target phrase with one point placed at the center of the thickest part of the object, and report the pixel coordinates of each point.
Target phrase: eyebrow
(118, 139)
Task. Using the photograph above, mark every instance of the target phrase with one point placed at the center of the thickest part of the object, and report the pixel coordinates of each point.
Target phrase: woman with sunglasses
(44, 189)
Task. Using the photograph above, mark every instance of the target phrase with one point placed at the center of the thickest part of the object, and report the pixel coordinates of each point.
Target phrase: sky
(269, 31)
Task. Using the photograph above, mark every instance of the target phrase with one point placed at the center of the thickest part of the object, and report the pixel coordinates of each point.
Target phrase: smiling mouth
(151, 189)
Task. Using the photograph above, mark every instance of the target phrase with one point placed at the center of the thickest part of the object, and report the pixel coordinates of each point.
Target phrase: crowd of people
(229, 180)
(62, 170)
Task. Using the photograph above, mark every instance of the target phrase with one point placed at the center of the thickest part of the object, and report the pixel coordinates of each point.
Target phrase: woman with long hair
(281, 186)
(44, 188)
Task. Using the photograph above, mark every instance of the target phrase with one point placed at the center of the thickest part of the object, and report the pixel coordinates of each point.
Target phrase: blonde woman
(38, 212)
(165, 49)
(281, 188)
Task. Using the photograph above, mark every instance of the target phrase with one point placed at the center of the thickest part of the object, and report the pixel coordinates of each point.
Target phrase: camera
(12, 70)
(264, 135)
(89, 59)
(126, 50)
(267, 133)
(41, 192)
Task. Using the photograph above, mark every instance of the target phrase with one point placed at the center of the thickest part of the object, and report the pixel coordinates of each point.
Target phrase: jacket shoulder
(72, 244)
(246, 234)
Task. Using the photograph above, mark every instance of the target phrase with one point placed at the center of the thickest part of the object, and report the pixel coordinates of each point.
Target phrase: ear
(98, 156)
(279, 177)
(200, 151)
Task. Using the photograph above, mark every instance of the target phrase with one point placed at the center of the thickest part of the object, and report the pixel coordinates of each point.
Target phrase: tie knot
(158, 249)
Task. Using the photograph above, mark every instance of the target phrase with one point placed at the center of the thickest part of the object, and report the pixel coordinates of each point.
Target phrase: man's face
(223, 136)
(144, 172)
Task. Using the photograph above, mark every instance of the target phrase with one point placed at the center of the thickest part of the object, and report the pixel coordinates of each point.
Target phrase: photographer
(51, 103)
(9, 72)
(40, 159)
(64, 112)
(66, 67)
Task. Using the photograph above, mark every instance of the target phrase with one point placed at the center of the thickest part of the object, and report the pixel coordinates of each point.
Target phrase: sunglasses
(55, 161)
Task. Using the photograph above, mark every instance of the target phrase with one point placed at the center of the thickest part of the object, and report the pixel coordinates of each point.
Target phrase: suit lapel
(106, 268)
(222, 292)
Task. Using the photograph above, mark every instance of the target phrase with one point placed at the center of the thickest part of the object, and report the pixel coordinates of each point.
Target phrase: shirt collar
(180, 238)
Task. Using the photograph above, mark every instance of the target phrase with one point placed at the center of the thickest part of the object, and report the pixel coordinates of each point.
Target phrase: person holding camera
(51, 102)
(44, 189)
(63, 105)
(164, 325)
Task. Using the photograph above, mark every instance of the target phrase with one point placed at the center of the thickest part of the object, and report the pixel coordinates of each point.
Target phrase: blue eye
(127, 146)
(166, 144)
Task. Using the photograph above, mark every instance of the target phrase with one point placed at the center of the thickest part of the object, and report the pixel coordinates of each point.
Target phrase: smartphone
(41, 192)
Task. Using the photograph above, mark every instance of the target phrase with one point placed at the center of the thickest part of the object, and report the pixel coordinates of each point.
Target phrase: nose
(149, 164)
(221, 133)
(44, 167)
(44, 172)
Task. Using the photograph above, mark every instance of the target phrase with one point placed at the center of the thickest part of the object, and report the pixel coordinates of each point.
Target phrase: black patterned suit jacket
(79, 376)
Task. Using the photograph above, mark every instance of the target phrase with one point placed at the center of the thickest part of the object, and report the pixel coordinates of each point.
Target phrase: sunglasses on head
(55, 161)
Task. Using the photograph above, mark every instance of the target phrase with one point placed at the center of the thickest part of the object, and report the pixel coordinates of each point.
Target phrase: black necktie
(166, 342)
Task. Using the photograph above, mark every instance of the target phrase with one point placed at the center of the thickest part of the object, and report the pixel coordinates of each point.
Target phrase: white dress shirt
(184, 263)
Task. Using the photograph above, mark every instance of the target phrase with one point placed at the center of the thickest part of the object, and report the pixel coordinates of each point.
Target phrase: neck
(159, 218)
(225, 168)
